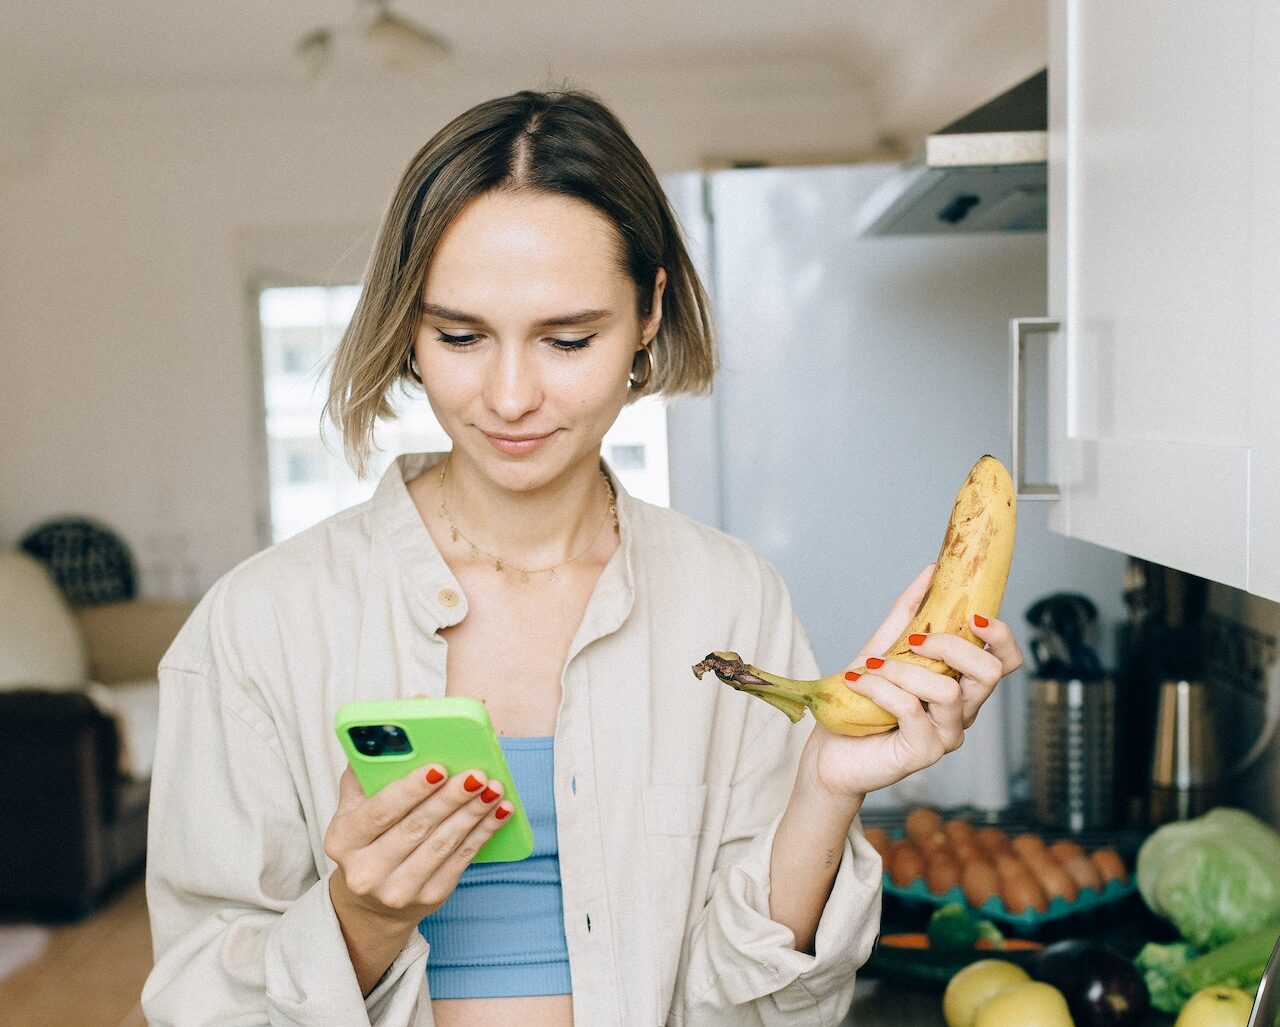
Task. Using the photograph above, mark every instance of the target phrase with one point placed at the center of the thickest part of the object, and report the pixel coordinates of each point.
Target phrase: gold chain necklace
(501, 564)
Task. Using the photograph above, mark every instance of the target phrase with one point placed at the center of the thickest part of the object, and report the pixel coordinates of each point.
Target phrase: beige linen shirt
(668, 790)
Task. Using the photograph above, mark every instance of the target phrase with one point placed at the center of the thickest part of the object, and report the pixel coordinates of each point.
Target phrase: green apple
(1216, 1007)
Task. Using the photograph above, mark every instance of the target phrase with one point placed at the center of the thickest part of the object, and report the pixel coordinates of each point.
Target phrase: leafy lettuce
(1173, 973)
(1217, 877)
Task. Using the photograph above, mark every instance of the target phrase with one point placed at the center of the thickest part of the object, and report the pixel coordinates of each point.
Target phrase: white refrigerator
(860, 380)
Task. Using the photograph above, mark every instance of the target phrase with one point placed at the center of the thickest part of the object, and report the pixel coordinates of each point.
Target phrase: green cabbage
(1216, 877)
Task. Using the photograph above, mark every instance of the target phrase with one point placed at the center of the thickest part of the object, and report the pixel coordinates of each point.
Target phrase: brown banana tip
(725, 666)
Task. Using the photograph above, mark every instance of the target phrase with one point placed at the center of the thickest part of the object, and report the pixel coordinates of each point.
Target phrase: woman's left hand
(933, 709)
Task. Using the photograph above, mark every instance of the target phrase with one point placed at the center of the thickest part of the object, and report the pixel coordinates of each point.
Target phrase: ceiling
(916, 63)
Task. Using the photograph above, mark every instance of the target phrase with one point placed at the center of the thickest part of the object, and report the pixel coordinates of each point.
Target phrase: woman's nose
(512, 388)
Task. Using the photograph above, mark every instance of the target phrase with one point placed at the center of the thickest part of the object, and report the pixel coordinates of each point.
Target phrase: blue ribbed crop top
(501, 932)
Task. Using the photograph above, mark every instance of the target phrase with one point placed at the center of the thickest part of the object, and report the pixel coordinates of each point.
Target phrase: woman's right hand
(401, 851)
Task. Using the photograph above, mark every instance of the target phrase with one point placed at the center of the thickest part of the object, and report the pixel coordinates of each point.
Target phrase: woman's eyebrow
(457, 316)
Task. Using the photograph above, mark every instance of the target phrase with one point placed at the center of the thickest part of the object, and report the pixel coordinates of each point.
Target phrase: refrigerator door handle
(1019, 329)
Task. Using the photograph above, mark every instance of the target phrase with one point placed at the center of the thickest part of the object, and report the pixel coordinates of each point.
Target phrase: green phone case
(453, 731)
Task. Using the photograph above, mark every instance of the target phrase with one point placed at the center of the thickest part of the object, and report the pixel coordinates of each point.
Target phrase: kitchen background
(159, 167)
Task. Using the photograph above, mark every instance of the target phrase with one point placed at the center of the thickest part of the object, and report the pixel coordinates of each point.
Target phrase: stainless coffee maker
(1071, 733)
(1186, 766)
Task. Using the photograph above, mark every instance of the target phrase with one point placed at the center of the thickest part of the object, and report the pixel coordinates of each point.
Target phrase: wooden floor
(90, 975)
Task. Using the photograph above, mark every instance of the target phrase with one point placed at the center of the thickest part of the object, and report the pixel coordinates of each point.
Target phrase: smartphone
(386, 740)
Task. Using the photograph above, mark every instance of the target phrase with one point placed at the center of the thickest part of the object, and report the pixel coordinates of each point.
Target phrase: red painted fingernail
(488, 795)
(502, 813)
(875, 663)
(471, 784)
(980, 620)
(434, 777)
(916, 639)
(851, 675)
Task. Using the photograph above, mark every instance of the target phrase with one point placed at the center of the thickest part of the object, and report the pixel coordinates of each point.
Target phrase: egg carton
(1089, 901)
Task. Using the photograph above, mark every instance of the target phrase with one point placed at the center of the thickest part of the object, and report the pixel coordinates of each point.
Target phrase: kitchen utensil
(1072, 752)
(1071, 736)
(1266, 1004)
(1186, 769)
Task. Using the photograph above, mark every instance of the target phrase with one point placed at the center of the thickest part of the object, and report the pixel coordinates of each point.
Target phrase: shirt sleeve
(742, 967)
(242, 923)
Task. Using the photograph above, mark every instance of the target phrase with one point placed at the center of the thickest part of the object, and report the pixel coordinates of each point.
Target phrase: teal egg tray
(1028, 921)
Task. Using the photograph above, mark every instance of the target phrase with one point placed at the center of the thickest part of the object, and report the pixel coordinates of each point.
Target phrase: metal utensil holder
(1072, 753)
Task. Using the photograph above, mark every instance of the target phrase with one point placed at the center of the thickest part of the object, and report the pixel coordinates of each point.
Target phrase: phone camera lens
(380, 740)
(394, 740)
(368, 741)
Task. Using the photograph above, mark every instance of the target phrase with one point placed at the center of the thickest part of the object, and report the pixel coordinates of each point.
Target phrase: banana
(972, 569)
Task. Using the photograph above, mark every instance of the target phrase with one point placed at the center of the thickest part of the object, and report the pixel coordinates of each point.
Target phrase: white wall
(128, 242)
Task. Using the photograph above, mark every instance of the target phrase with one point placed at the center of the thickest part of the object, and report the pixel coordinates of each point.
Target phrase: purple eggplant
(1102, 988)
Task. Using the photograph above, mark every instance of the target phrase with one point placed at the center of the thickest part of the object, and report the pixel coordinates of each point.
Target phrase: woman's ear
(650, 327)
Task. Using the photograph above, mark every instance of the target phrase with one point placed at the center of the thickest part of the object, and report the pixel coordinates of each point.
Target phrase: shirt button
(447, 597)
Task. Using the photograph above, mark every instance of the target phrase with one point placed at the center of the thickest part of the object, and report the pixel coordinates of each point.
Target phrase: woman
(699, 859)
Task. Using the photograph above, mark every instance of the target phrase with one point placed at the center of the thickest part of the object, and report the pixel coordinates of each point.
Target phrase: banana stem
(791, 697)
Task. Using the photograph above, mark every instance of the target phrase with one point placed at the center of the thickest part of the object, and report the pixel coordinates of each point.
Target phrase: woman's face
(527, 334)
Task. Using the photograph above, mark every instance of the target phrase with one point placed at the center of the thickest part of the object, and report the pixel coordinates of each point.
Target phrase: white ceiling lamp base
(396, 43)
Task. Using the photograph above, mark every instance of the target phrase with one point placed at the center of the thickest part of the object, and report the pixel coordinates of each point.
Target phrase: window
(309, 480)
(626, 458)
(303, 467)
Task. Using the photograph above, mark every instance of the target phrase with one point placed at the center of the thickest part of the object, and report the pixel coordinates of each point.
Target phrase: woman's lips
(516, 447)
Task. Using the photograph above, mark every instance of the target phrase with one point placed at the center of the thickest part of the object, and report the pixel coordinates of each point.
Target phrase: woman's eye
(562, 344)
(572, 344)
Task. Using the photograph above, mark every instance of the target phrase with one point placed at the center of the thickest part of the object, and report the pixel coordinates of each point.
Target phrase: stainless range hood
(986, 172)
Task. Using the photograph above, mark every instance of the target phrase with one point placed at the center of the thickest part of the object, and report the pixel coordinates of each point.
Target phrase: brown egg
(1083, 872)
(992, 839)
(896, 846)
(1025, 845)
(905, 864)
(922, 822)
(1008, 865)
(1054, 880)
(941, 874)
(1022, 893)
(1065, 850)
(879, 839)
(1109, 865)
(934, 842)
(966, 853)
(960, 832)
(979, 881)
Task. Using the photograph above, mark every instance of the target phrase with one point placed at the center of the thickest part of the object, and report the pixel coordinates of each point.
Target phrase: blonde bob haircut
(567, 143)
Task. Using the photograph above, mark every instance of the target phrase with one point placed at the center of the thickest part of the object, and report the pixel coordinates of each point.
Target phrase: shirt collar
(426, 576)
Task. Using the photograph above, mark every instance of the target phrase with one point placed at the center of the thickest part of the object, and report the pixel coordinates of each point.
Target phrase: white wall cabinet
(1164, 380)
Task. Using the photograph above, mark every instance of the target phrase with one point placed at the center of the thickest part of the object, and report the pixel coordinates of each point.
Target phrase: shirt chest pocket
(683, 824)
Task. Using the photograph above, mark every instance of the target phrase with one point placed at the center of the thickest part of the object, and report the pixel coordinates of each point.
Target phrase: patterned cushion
(88, 561)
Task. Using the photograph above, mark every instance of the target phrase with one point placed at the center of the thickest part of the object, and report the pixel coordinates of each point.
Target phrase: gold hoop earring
(411, 369)
(634, 383)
